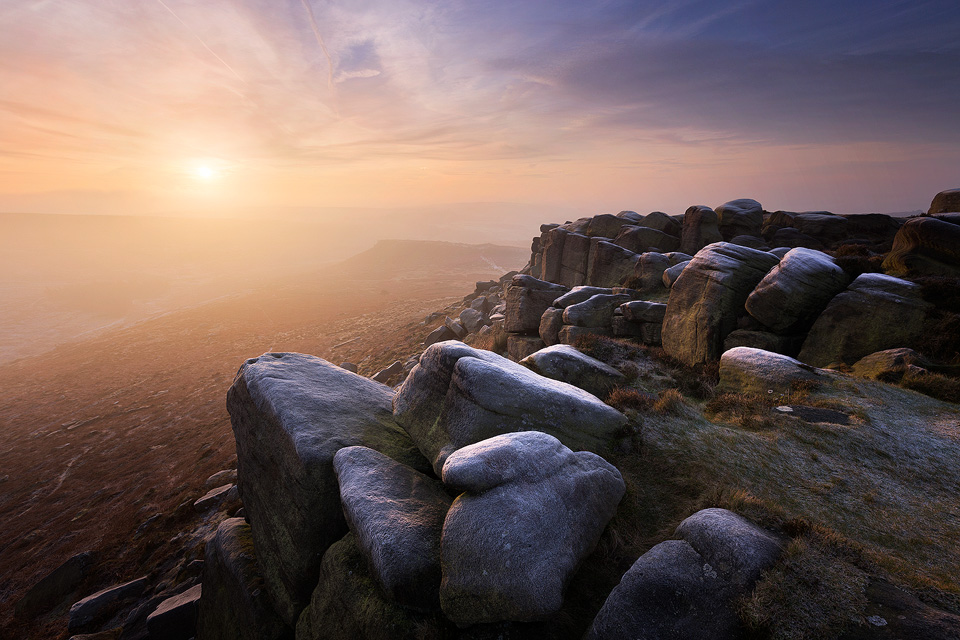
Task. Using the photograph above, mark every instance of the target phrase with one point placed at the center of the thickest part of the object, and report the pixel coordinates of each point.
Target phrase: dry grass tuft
(670, 401)
(625, 398)
(934, 385)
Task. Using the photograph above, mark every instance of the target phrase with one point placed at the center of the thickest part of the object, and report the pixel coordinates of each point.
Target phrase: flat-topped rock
(566, 363)
(290, 414)
(749, 370)
(596, 311)
(457, 396)
(740, 217)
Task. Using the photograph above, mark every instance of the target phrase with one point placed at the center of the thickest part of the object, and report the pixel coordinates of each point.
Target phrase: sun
(204, 172)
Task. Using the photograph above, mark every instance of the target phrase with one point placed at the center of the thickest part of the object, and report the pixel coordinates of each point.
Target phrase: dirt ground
(98, 436)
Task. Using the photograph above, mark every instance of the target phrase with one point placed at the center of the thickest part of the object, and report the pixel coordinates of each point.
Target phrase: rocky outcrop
(234, 604)
(567, 364)
(685, 589)
(610, 265)
(739, 217)
(531, 510)
(596, 311)
(176, 617)
(104, 603)
(290, 414)
(925, 247)
(890, 364)
(945, 202)
(457, 396)
(700, 228)
(748, 370)
(527, 298)
(876, 312)
(396, 514)
(708, 297)
(794, 292)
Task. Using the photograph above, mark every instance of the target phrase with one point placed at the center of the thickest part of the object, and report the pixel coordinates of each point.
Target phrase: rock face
(793, 293)
(826, 227)
(567, 364)
(686, 589)
(671, 274)
(99, 605)
(925, 246)
(291, 413)
(649, 271)
(527, 299)
(610, 265)
(348, 605)
(640, 239)
(550, 324)
(596, 311)
(708, 297)
(396, 514)
(739, 217)
(234, 604)
(176, 617)
(945, 202)
(530, 512)
(580, 294)
(643, 311)
(458, 395)
(876, 312)
(700, 228)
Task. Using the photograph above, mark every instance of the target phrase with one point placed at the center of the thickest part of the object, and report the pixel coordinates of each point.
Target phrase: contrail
(200, 40)
(316, 32)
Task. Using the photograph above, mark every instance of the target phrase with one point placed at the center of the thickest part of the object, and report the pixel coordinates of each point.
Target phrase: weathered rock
(102, 604)
(605, 225)
(520, 346)
(779, 251)
(580, 294)
(234, 604)
(876, 227)
(686, 589)
(748, 370)
(351, 367)
(596, 311)
(455, 327)
(669, 593)
(790, 237)
(875, 313)
(631, 217)
(472, 320)
(676, 257)
(826, 227)
(384, 375)
(610, 265)
(671, 274)
(176, 617)
(291, 413)
(348, 605)
(396, 514)
(457, 396)
(481, 304)
(794, 292)
(213, 498)
(925, 246)
(56, 585)
(700, 228)
(623, 328)
(945, 202)
(661, 222)
(754, 242)
(649, 271)
(564, 362)
(439, 334)
(643, 311)
(576, 255)
(526, 300)
(737, 549)
(707, 298)
(220, 478)
(552, 254)
(550, 324)
(787, 345)
(742, 217)
(569, 334)
(888, 364)
(531, 511)
(641, 239)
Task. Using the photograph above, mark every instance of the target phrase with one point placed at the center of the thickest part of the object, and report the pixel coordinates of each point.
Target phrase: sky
(204, 107)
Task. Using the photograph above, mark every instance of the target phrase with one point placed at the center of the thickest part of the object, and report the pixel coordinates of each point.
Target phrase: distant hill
(416, 258)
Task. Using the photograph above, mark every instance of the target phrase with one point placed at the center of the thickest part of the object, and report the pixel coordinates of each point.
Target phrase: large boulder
(648, 273)
(348, 604)
(889, 363)
(793, 293)
(743, 217)
(790, 237)
(925, 246)
(551, 241)
(945, 202)
(610, 264)
(640, 239)
(579, 294)
(564, 362)
(671, 274)
(396, 514)
(605, 225)
(103, 604)
(826, 227)
(458, 395)
(234, 604)
(596, 311)
(749, 370)
(550, 325)
(661, 222)
(530, 512)
(700, 228)
(575, 258)
(176, 617)
(687, 589)
(291, 413)
(644, 311)
(707, 298)
(876, 312)
(527, 298)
